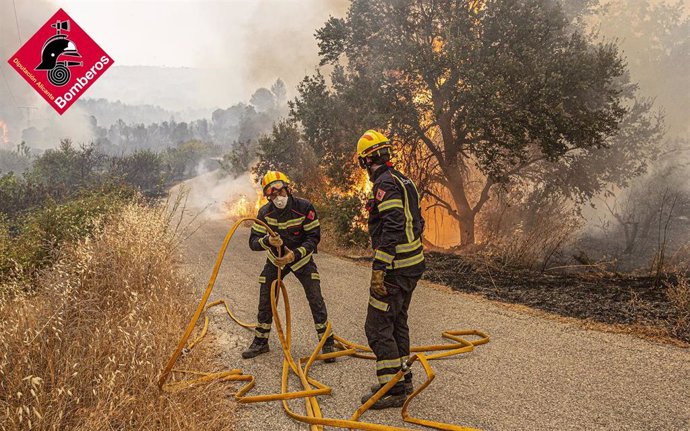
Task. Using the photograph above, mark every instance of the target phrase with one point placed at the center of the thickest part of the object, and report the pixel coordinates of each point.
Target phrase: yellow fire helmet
(372, 141)
(275, 179)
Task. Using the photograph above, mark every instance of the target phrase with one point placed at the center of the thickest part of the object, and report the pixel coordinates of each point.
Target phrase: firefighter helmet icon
(52, 55)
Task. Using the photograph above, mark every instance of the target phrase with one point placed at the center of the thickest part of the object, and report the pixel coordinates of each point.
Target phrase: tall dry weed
(530, 239)
(678, 293)
(85, 351)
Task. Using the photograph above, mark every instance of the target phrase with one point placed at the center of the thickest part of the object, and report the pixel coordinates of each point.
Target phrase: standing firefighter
(298, 233)
(395, 227)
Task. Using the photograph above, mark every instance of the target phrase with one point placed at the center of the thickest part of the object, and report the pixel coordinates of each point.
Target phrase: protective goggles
(274, 188)
(378, 150)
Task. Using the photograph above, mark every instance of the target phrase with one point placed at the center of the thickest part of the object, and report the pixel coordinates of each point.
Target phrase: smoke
(292, 25)
(273, 39)
(26, 115)
(212, 194)
(653, 36)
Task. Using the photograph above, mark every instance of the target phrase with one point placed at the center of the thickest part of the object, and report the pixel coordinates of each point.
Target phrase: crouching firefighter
(296, 224)
(395, 227)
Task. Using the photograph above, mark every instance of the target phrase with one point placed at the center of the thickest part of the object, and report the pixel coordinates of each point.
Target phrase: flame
(4, 133)
(440, 229)
(245, 206)
(477, 6)
(363, 185)
(437, 44)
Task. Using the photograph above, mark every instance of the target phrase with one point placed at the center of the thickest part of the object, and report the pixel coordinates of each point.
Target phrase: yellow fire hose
(311, 388)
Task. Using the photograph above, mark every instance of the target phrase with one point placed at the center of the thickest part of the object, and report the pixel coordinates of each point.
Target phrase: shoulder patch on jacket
(311, 214)
(380, 194)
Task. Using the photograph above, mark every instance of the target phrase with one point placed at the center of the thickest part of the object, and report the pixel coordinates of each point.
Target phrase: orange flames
(440, 229)
(245, 206)
(437, 44)
(363, 184)
(4, 133)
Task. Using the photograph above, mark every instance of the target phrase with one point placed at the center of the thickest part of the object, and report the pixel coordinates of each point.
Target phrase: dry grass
(679, 295)
(85, 351)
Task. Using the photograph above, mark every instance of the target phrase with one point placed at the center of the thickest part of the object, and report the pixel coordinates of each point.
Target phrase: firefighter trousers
(308, 276)
(386, 327)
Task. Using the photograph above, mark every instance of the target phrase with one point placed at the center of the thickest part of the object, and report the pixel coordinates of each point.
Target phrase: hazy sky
(195, 33)
(206, 33)
(165, 33)
(240, 44)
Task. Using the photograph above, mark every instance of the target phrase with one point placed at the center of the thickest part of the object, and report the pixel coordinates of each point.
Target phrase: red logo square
(380, 194)
(60, 61)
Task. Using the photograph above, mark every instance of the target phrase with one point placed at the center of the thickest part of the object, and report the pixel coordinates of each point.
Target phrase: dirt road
(535, 374)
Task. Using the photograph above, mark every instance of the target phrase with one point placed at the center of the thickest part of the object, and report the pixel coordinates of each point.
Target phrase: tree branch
(442, 202)
(429, 143)
(484, 195)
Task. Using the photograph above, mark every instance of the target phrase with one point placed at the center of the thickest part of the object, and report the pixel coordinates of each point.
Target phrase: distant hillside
(108, 112)
(182, 89)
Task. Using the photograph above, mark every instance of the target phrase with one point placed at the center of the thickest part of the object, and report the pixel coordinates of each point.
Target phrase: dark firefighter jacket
(395, 223)
(298, 226)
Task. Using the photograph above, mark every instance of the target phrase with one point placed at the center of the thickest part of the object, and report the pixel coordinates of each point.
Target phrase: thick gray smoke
(280, 41)
(269, 39)
(654, 37)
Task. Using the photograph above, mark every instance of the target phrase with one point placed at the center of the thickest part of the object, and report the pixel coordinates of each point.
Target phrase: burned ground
(617, 299)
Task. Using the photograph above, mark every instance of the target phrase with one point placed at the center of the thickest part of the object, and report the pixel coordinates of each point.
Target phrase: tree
(279, 92)
(263, 100)
(68, 168)
(239, 160)
(636, 211)
(494, 88)
(284, 150)
(142, 169)
(16, 161)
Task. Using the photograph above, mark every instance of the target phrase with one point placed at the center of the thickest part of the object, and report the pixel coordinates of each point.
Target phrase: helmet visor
(274, 187)
(375, 148)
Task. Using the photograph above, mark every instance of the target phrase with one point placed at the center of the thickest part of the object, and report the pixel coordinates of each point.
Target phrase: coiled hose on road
(311, 388)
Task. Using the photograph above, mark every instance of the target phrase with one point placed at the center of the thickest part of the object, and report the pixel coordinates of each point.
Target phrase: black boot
(409, 387)
(394, 398)
(257, 347)
(329, 347)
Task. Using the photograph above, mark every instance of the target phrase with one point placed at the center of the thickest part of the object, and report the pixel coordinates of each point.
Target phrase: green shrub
(30, 243)
(17, 161)
(142, 169)
(6, 265)
(347, 217)
(19, 194)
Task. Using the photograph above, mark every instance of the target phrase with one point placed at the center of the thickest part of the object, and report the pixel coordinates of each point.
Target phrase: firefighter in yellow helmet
(395, 227)
(296, 224)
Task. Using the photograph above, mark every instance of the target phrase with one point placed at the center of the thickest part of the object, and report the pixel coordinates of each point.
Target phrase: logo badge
(60, 61)
(380, 194)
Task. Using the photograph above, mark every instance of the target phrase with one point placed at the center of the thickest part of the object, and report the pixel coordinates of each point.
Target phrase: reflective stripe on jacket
(395, 221)
(298, 226)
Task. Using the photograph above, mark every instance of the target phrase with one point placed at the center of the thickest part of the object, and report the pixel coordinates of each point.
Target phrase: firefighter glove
(377, 286)
(287, 258)
(275, 240)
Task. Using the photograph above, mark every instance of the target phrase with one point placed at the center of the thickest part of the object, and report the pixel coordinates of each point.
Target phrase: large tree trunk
(466, 225)
(451, 166)
(464, 213)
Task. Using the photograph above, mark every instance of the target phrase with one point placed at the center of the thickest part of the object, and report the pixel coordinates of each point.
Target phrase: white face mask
(280, 201)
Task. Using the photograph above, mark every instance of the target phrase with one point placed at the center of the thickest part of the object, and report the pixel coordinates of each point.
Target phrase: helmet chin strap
(371, 168)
